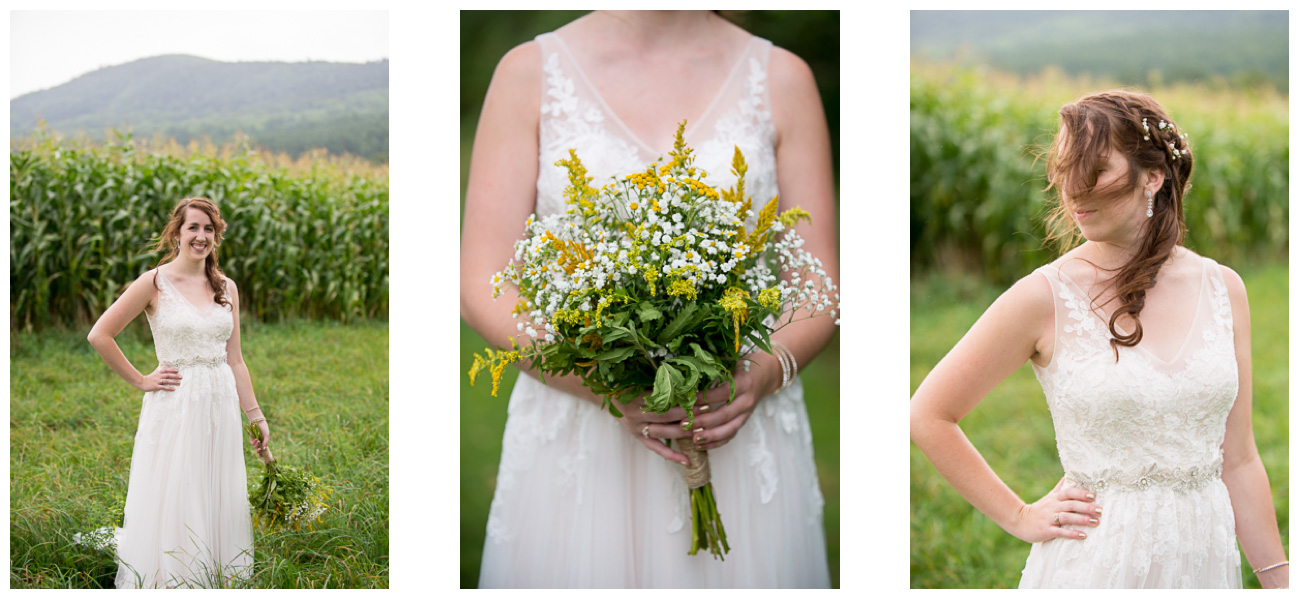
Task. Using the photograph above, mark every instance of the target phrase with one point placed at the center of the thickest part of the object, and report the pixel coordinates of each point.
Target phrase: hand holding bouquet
(285, 496)
(654, 285)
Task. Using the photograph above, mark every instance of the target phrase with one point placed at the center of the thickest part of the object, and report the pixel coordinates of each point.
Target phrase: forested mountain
(288, 107)
(1145, 48)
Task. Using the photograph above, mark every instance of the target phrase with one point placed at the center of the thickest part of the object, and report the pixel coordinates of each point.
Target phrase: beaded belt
(195, 361)
(1180, 480)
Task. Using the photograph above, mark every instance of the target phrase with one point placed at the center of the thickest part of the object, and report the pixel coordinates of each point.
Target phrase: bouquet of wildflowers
(285, 496)
(652, 285)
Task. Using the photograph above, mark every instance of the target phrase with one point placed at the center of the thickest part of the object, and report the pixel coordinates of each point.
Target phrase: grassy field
(324, 389)
(482, 421)
(955, 546)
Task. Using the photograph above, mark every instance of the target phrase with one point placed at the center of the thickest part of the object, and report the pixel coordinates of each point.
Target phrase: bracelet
(249, 410)
(789, 366)
(256, 421)
(1281, 564)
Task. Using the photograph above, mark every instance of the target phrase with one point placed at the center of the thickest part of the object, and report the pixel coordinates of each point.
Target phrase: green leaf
(647, 312)
(617, 354)
(667, 380)
(679, 323)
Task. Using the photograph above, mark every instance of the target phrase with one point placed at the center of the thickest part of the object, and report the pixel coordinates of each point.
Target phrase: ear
(1154, 180)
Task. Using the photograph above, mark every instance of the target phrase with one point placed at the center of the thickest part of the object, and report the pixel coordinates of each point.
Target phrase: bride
(584, 499)
(187, 521)
(1142, 348)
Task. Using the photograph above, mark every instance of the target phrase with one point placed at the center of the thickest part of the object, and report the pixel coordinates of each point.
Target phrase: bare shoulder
(521, 61)
(519, 73)
(789, 74)
(146, 284)
(147, 277)
(1031, 296)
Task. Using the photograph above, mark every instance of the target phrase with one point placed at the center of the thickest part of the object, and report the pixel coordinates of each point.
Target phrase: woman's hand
(162, 379)
(651, 428)
(262, 446)
(716, 421)
(1045, 519)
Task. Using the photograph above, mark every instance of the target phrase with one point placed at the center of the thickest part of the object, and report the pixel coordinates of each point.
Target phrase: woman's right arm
(127, 307)
(1019, 326)
(499, 196)
(501, 192)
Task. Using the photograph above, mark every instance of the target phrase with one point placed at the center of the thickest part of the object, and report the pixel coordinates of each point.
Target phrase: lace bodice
(185, 335)
(575, 116)
(1141, 421)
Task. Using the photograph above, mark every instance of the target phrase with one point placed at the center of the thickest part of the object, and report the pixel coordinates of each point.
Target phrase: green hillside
(1142, 48)
(284, 107)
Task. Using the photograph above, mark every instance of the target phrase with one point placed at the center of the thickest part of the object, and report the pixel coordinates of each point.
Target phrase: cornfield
(976, 180)
(305, 239)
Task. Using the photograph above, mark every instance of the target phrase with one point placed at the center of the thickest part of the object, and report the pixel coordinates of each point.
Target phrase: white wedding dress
(1144, 434)
(579, 502)
(187, 521)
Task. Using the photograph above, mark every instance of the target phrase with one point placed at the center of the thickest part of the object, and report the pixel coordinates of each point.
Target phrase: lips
(1083, 214)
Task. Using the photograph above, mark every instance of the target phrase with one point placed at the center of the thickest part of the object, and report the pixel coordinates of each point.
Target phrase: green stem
(717, 518)
(695, 518)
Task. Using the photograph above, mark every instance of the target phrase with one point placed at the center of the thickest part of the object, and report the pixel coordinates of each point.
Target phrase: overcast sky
(50, 48)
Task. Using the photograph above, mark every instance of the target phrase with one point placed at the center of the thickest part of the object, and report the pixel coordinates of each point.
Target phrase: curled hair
(169, 242)
(1091, 128)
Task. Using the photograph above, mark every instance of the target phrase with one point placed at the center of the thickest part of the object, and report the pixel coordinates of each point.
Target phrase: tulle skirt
(187, 521)
(580, 503)
(1155, 538)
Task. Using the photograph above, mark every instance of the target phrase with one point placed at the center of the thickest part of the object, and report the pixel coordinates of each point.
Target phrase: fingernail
(699, 439)
(684, 463)
(1082, 535)
(1092, 496)
(1098, 510)
(686, 425)
(704, 408)
(1093, 522)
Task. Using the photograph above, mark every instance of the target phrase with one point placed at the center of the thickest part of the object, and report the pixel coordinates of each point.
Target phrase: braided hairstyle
(1137, 127)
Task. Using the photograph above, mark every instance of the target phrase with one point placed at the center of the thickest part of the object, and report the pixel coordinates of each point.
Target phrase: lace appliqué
(571, 121)
(747, 125)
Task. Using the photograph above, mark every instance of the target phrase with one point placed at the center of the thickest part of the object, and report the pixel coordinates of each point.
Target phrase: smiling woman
(187, 520)
(1142, 348)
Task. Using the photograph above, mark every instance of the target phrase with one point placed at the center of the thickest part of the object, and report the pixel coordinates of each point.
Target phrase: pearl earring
(1151, 205)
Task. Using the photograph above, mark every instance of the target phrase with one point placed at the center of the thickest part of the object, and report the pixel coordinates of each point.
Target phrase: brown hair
(1114, 122)
(169, 241)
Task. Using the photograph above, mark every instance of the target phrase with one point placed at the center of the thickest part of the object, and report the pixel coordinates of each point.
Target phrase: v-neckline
(178, 291)
(691, 126)
(1105, 319)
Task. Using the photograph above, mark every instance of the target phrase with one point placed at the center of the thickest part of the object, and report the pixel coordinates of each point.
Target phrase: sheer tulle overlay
(187, 521)
(579, 502)
(1145, 435)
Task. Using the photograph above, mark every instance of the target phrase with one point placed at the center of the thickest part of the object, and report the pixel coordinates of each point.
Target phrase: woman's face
(1102, 217)
(197, 236)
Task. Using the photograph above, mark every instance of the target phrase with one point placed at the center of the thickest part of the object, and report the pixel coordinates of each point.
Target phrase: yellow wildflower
(733, 301)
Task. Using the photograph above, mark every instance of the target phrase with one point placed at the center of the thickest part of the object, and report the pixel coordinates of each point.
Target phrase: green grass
(483, 418)
(324, 389)
(955, 546)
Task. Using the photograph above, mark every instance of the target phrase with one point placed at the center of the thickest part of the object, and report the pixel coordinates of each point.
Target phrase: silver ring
(1057, 520)
(645, 431)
